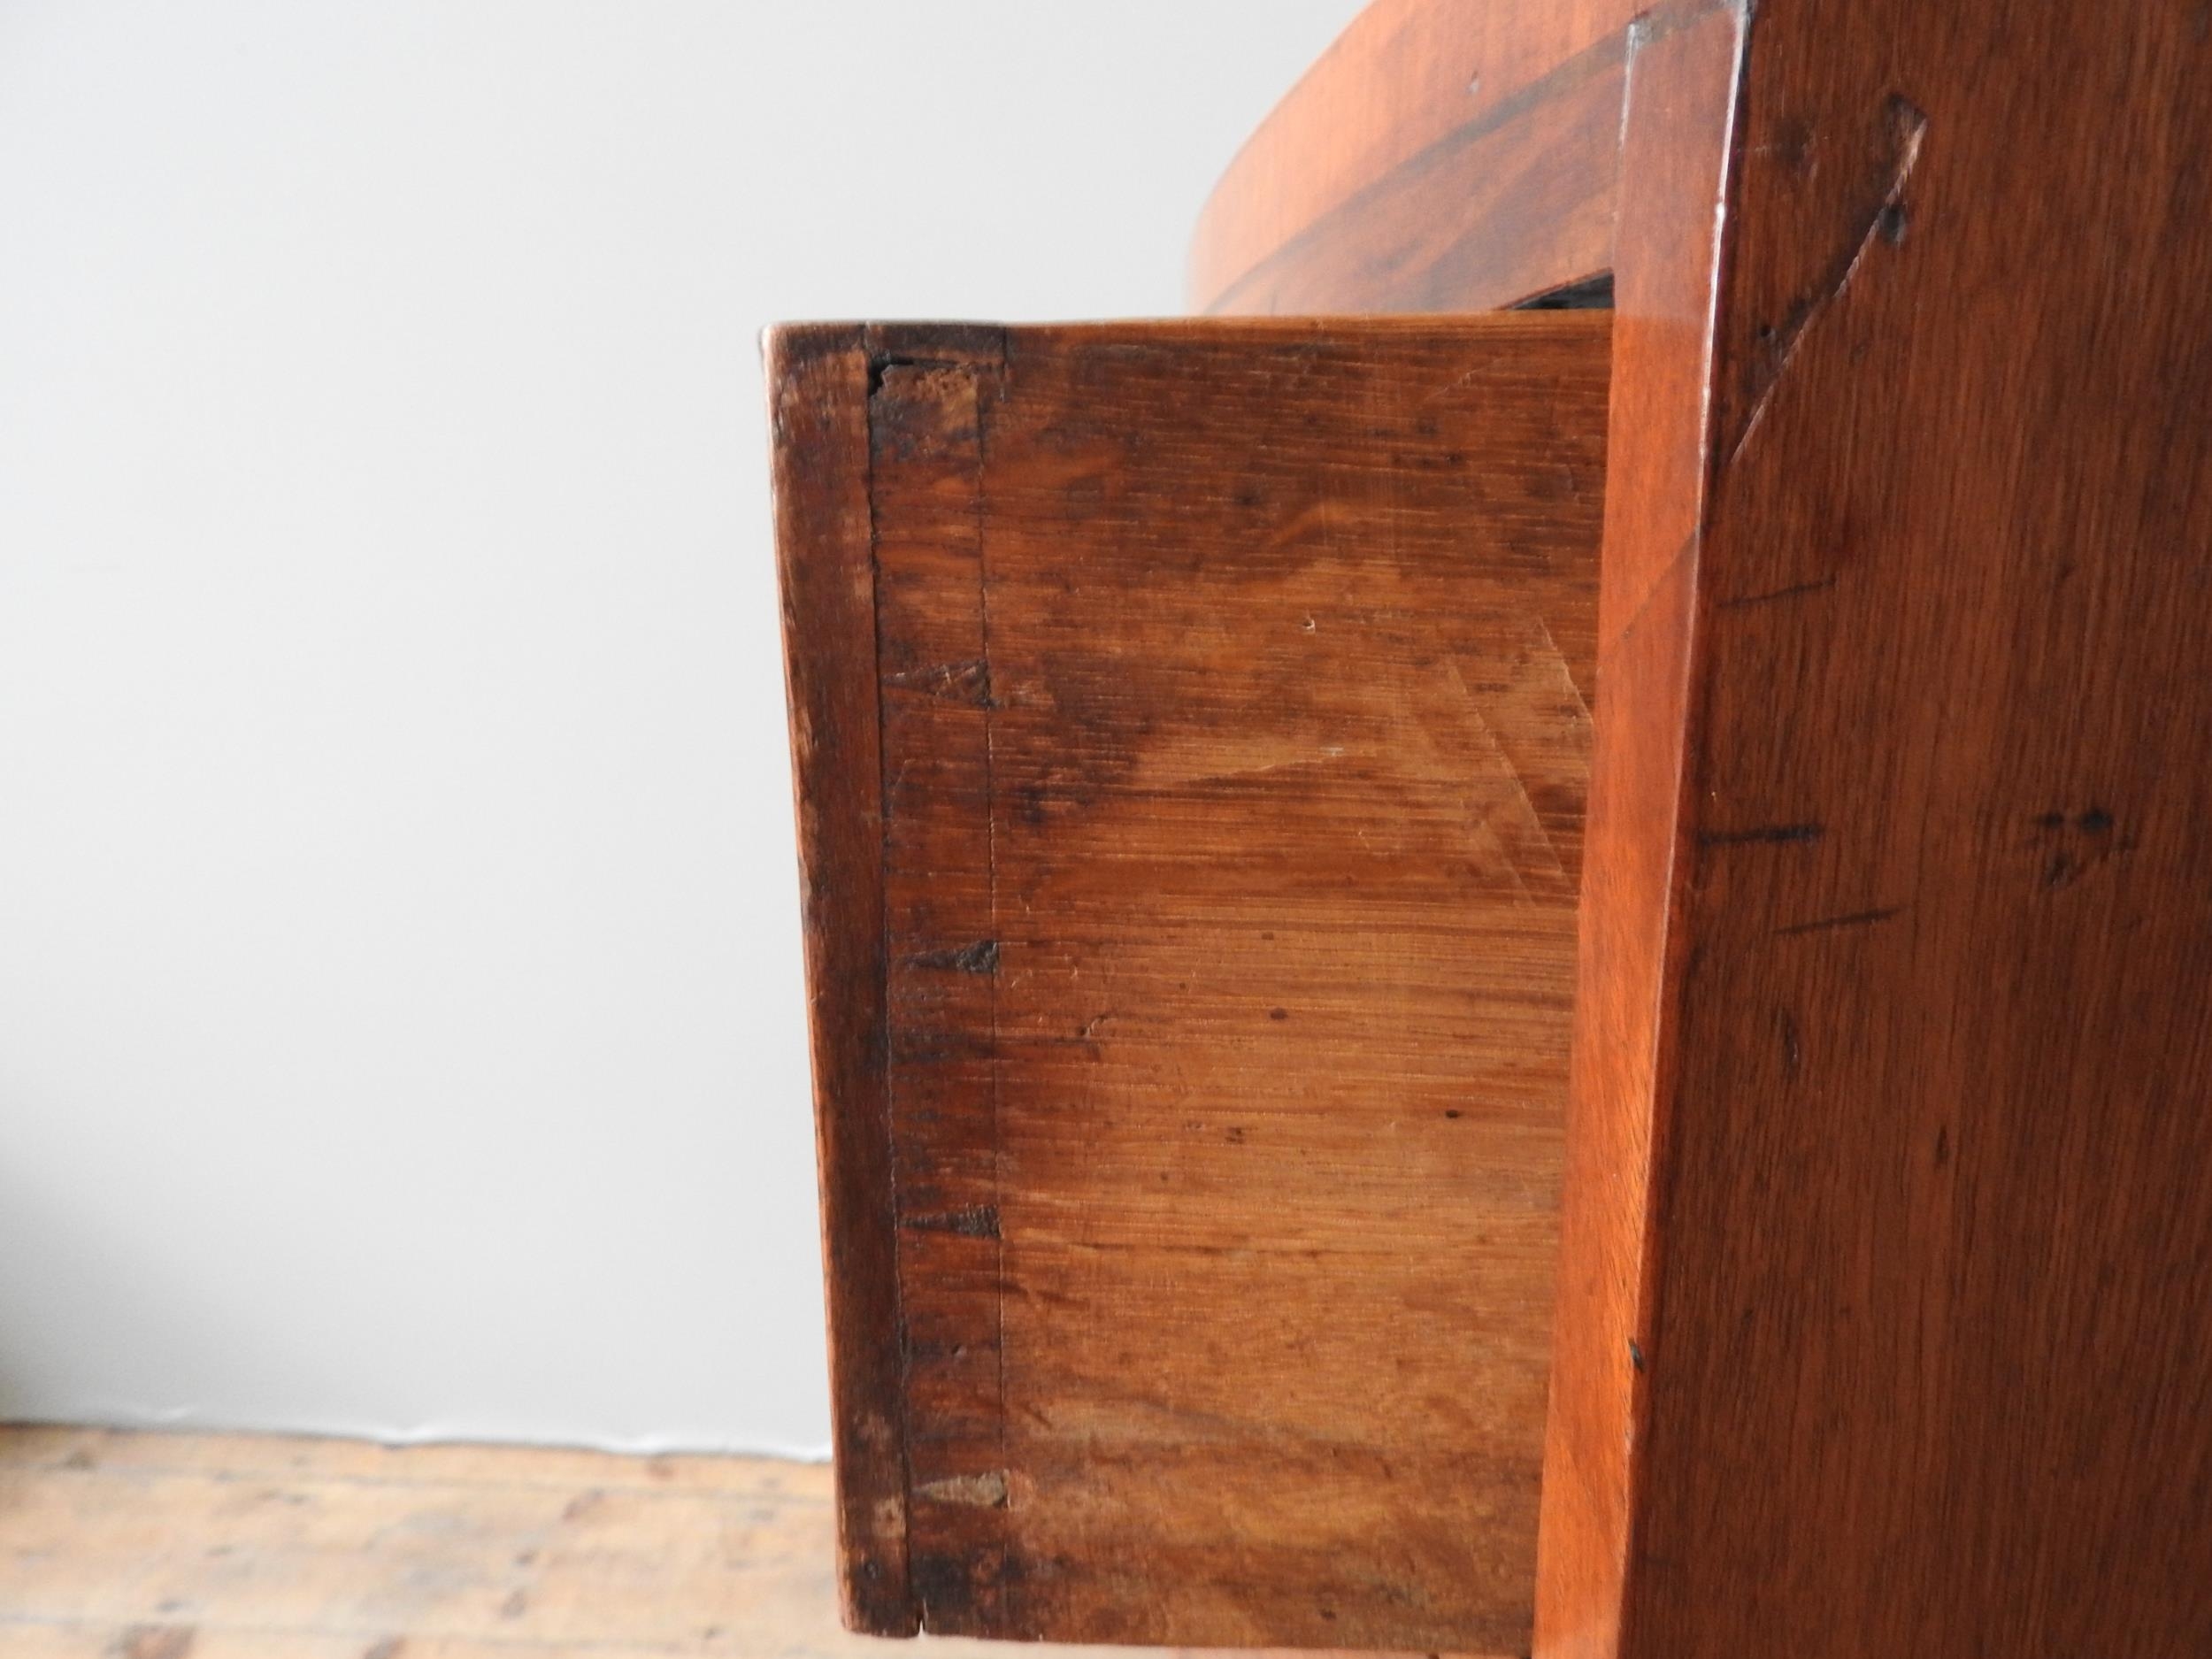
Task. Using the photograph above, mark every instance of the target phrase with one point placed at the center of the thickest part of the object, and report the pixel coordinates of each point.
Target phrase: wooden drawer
(1192, 723)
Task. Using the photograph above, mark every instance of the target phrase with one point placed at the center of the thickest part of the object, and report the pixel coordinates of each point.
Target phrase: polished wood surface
(1684, 69)
(1929, 1249)
(1515, 202)
(1230, 718)
(1442, 156)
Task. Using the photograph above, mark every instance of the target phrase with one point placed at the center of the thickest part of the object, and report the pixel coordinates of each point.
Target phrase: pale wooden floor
(125, 1546)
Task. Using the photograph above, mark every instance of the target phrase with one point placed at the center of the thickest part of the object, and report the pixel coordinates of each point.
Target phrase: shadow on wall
(74, 1302)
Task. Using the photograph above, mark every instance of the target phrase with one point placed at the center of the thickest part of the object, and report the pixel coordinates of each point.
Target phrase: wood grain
(123, 1546)
(1480, 109)
(818, 383)
(1683, 82)
(938, 687)
(182, 1538)
(1886, 1271)
(1517, 199)
(1233, 682)
(1931, 1245)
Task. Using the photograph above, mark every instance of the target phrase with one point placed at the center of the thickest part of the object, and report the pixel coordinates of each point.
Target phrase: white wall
(399, 987)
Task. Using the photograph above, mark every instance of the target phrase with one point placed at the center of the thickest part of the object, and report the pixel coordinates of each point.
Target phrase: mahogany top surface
(1406, 78)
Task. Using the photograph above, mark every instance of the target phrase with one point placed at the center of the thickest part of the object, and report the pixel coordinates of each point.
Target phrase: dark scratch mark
(933, 1047)
(1856, 919)
(981, 957)
(1791, 592)
(1942, 1145)
(954, 682)
(1766, 835)
(1635, 1356)
(1885, 220)
(2065, 866)
(976, 1221)
(921, 1349)
(2068, 864)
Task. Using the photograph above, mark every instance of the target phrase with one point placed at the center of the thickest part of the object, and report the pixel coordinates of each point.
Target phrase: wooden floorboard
(138, 1546)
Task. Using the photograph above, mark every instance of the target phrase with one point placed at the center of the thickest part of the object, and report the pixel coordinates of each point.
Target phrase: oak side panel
(1234, 692)
(1413, 85)
(1513, 203)
(817, 392)
(1290, 635)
